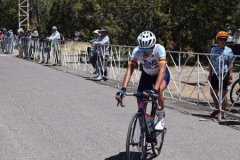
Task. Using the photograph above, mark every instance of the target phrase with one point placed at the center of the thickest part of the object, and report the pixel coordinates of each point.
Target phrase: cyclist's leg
(146, 82)
(160, 112)
(163, 86)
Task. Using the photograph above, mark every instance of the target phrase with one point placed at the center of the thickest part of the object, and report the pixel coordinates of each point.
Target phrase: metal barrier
(189, 73)
(188, 70)
(40, 50)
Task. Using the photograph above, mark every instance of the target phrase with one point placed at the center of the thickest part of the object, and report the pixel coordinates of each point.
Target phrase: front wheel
(235, 93)
(158, 139)
(135, 144)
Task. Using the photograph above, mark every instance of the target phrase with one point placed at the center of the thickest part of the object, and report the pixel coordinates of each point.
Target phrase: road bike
(143, 142)
(235, 92)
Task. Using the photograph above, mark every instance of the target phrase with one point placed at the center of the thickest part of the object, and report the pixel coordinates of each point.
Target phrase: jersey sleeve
(135, 56)
(161, 52)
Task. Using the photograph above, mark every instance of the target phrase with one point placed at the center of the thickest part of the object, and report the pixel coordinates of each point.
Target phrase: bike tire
(133, 130)
(233, 96)
(143, 142)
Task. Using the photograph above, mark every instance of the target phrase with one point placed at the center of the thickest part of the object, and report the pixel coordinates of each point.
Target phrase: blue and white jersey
(150, 64)
(221, 59)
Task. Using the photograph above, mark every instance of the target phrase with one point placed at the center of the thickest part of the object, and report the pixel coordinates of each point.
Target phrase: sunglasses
(146, 50)
(222, 39)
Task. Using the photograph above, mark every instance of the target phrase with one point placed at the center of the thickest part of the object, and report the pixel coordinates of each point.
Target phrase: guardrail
(188, 70)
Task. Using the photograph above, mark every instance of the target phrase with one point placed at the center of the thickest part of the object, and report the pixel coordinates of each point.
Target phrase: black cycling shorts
(147, 81)
(215, 81)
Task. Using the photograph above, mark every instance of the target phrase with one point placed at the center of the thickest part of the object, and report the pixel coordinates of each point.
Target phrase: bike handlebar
(138, 95)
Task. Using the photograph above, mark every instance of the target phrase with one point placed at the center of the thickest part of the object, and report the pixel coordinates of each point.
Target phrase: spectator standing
(20, 42)
(92, 51)
(102, 46)
(221, 71)
(10, 41)
(55, 45)
(35, 45)
(1, 39)
(45, 47)
(4, 40)
(28, 51)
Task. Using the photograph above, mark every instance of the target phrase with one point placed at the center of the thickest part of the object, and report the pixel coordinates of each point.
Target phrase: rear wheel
(136, 140)
(235, 94)
(158, 138)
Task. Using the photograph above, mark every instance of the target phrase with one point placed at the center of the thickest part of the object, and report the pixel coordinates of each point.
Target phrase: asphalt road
(46, 114)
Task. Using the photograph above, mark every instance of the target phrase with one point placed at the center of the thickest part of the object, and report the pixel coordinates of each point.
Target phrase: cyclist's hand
(149, 93)
(121, 93)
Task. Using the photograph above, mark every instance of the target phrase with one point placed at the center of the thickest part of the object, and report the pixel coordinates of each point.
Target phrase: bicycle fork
(143, 134)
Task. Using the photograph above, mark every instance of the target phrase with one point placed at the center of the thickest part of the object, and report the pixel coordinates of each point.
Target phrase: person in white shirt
(102, 46)
(55, 38)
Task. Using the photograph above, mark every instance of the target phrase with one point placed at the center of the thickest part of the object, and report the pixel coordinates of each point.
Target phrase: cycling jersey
(225, 60)
(150, 64)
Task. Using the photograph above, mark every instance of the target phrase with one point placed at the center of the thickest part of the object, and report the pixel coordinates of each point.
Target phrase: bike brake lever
(120, 102)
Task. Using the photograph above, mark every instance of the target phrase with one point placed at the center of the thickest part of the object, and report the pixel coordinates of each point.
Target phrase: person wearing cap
(221, 71)
(34, 45)
(92, 51)
(55, 45)
(102, 45)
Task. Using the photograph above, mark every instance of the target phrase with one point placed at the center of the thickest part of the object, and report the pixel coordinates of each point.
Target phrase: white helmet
(146, 39)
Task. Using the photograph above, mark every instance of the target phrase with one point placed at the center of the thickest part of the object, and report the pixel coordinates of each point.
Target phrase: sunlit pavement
(49, 114)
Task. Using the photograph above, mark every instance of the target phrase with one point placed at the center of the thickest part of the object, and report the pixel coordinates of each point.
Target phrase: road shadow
(119, 156)
(205, 117)
(194, 83)
(230, 123)
(95, 79)
(123, 156)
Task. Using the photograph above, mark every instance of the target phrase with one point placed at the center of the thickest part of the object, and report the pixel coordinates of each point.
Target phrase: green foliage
(178, 25)
(9, 14)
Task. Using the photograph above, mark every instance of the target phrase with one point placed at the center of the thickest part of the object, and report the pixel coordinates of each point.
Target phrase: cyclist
(216, 71)
(155, 76)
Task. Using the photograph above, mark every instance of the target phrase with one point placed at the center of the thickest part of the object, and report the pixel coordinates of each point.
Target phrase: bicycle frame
(143, 99)
(143, 125)
(147, 134)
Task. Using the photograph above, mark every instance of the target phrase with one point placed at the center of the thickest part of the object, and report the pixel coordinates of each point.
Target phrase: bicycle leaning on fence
(143, 141)
(235, 92)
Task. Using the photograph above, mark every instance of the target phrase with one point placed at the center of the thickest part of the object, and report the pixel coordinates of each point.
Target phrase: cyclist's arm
(129, 72)
(161, 75)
